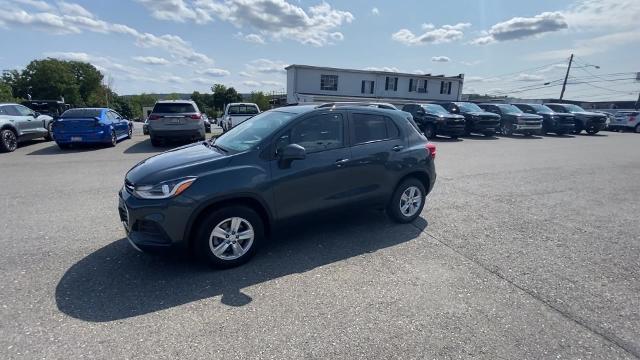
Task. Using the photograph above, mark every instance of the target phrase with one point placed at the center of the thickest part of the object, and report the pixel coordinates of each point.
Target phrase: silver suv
(19, 123)
(175, 120)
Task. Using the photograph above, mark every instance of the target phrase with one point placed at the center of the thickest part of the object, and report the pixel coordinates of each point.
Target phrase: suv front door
(321, 180)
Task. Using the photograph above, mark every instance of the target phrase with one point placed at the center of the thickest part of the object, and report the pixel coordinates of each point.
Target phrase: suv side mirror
(36, 114)
(291, 152)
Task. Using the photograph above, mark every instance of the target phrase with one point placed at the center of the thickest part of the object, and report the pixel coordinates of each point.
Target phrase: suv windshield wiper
(212, 143)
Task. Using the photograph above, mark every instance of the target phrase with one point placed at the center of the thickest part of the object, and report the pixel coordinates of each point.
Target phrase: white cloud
(36, 4)
(521, 27)
(383, 68)
(586, 47)
(72, 9)
(375, 11)
(245, 74)
(251, 83)
(151, 60)
(252, 38)
(528, 77)
(275, 19)
(78, 19)
(553, 67)
(271, 83)
(616, 14)
(215, 72)
(431, 34)
(267, 66)
(175, 10)
(103, 64)
(440, 59)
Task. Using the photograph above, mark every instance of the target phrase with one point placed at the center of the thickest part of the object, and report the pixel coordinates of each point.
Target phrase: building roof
(292, 66)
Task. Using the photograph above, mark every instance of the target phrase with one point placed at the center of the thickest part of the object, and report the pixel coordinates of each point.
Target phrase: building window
(412, 85)
(422, 86)
(367, 87)
(391, 83)
(445, 87)
(329, 82)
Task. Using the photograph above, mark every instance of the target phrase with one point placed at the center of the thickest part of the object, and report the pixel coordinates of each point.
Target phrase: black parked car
(223, 198)
(513, 120)
(592, 122)
(435, 120)
(555, 122)
(476, 119)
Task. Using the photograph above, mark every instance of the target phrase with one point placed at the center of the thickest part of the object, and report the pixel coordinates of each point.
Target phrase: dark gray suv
(175, 120)
(223, 198)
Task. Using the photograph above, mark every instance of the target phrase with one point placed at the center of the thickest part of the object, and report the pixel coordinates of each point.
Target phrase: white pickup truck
(236, 113)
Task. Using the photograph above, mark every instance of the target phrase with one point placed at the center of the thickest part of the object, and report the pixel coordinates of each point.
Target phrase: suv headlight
(165, 189)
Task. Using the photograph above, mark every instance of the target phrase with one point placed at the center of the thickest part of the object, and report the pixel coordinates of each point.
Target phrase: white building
(313, 84)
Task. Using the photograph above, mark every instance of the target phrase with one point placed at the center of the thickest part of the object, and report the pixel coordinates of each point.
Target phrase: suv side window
(12, 110)
(317, 133)
(369, 127)
(3, 110)
(111, 116)
(23, 110)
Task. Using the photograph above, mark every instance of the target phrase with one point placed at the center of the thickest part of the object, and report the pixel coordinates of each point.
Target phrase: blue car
(90, 126)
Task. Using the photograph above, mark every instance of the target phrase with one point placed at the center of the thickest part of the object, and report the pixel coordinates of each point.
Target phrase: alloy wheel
(9, 139)
(231, 238)
(410, 201)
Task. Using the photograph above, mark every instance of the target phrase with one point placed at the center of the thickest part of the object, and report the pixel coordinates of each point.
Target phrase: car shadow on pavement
(117, 282)
(518, 136)
(78, 148)
(145, 146)
(481, 137)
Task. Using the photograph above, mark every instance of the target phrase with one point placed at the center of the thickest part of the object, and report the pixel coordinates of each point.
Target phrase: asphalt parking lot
(527, 248)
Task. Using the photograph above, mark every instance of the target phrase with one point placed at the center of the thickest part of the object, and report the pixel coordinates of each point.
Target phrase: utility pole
(566, 76)
(637, 104)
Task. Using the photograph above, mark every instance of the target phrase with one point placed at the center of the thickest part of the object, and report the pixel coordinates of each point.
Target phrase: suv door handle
(341, 162)
(397, 148)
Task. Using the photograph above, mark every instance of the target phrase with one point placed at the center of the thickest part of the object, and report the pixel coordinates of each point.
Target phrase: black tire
(205, 241)
(429, 131)
(507, 129)
(114, 139)
(637, 129)
(130, 132)
(592, 131)
(578, 129)
(8, 141)
(64, 146)
(560, 133)
(49, 135)
(453, 137)
(155, 141)
(488, 133)
(396, 202)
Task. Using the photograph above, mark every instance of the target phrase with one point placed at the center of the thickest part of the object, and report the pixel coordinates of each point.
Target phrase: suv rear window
(81, 113)
(173, 108)
(242, 110)
(369, 127)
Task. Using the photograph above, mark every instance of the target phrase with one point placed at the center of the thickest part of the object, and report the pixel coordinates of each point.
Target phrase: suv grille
(124, 215)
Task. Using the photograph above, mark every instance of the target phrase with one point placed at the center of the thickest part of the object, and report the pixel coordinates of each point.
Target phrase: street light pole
(566, 76)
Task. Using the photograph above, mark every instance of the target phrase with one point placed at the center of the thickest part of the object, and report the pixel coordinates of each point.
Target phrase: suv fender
(11, 127)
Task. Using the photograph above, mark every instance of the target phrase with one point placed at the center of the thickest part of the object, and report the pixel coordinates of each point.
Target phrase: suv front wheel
(407, 201)
(229, 237)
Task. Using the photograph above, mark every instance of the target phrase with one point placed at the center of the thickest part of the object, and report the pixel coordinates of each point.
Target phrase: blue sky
(502, 47)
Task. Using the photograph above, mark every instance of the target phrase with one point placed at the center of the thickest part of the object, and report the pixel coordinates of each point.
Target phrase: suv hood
(184, 161)
(483, 113)
(587, 113)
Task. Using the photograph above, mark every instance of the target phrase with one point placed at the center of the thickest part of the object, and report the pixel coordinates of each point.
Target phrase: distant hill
(164, 96)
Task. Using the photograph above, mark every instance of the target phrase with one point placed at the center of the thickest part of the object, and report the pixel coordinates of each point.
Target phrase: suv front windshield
(435, 109)
(252, 131)
(469, 107)
(573, 108)
(509, 109)
(541, 108)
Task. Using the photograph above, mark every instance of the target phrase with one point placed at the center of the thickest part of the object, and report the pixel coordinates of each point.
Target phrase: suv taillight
(154, 117)
(431, 148)
(196, 116)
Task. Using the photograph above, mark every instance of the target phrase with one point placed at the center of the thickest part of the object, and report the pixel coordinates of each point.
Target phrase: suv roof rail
(349, 103)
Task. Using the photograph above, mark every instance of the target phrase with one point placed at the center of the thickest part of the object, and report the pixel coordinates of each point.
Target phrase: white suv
(626, 120)
(236, 113)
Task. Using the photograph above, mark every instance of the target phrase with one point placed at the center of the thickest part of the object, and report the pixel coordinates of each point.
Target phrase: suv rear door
(376, 147)
(321, 180)
(173, 115)
(21, 120)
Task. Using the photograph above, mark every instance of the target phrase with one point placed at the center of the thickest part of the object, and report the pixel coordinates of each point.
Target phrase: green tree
(6, 94)
(260, 99)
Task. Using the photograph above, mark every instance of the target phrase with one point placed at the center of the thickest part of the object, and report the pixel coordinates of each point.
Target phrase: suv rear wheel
(155, 141)
(407, 201)
(229, 237)
(429, 131)
(8, 141)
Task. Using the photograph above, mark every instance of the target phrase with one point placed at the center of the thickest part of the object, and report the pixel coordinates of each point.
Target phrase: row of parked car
(464, 118)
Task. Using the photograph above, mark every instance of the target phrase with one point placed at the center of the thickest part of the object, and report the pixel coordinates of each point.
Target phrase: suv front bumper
(152, 225)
